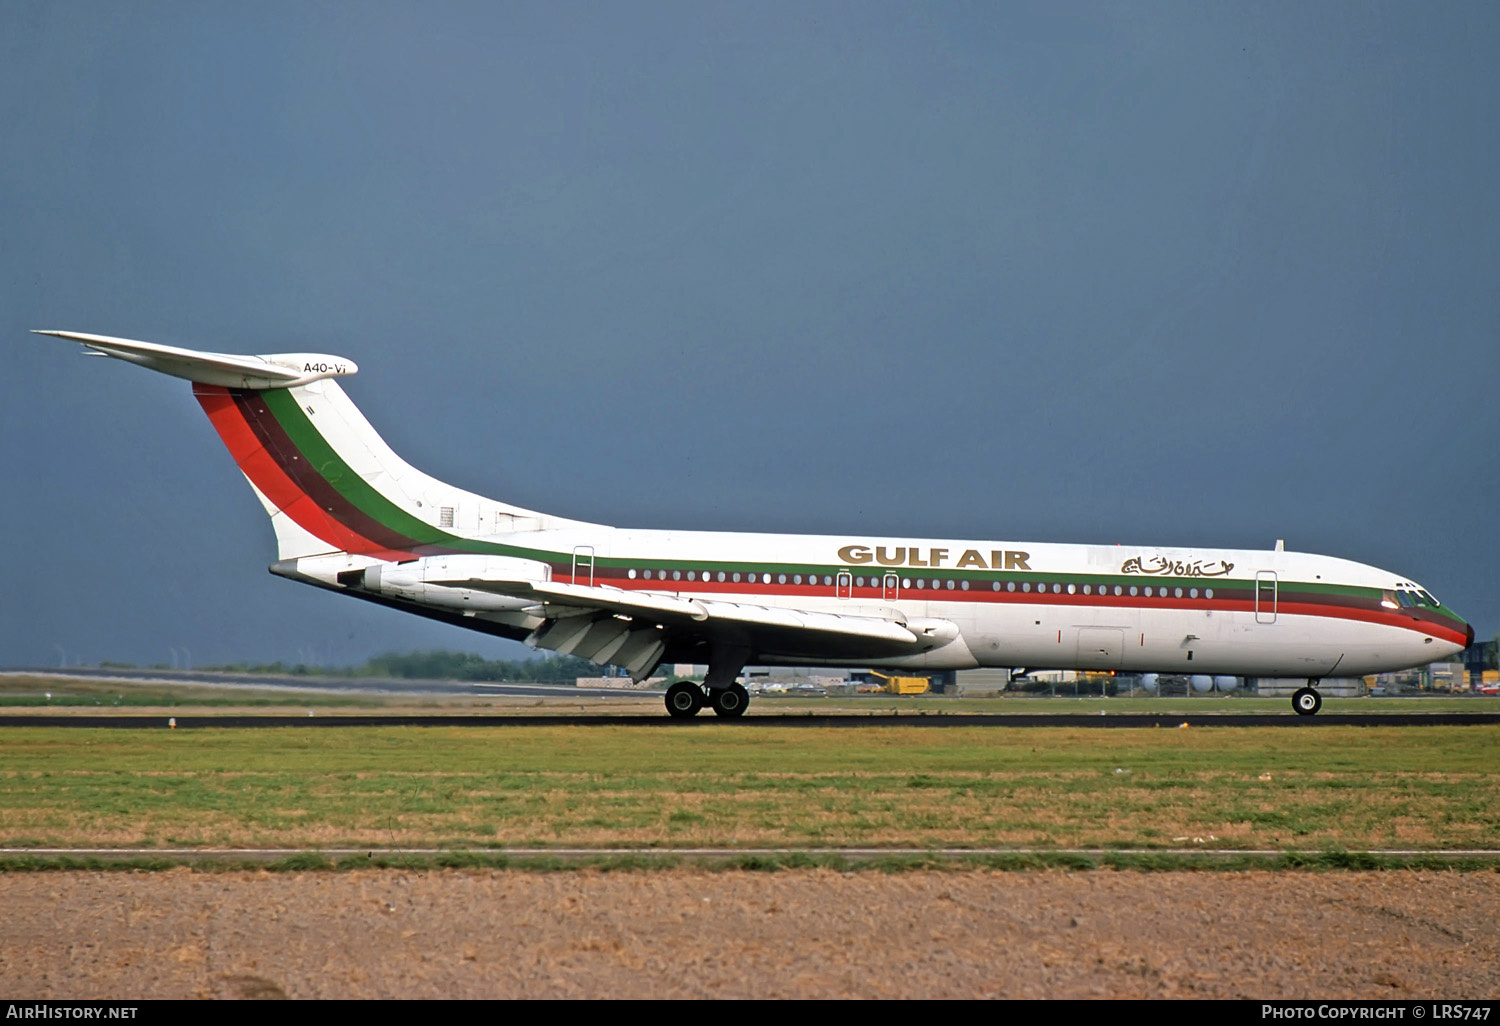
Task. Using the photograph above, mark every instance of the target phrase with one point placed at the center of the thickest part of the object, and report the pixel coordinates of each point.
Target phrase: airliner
(351, 516)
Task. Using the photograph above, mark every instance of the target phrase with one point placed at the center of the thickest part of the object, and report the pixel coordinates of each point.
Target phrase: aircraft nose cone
(1469, 641)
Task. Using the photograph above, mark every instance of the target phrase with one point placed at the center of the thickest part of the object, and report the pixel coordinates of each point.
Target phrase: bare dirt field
(798, 934)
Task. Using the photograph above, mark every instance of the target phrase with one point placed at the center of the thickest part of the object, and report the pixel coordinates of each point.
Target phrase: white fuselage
(353, 516)
(1035, 605)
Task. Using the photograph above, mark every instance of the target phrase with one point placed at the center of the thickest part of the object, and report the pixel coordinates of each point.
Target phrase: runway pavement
(608, 707)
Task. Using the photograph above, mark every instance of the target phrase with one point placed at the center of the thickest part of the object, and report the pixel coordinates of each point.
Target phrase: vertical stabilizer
(332, 484)
(327, 479)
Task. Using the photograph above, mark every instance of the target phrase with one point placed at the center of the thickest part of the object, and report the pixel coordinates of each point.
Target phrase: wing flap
(559, 601)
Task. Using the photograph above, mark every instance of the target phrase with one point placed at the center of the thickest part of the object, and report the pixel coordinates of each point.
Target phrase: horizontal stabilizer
(276, 370)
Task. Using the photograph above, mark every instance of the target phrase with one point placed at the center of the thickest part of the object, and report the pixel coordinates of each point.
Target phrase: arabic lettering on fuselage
(1164, 567)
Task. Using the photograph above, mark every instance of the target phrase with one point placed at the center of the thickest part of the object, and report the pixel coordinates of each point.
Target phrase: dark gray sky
(1197, 274)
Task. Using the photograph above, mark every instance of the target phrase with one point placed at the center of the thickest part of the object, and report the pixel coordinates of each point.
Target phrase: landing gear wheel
(730, 702)
(684, 699)
(1307, 701)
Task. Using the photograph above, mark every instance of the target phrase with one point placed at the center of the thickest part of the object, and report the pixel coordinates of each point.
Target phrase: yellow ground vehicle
(903, 685)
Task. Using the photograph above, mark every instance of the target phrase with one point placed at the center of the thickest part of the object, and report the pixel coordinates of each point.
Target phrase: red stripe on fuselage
(784, 592)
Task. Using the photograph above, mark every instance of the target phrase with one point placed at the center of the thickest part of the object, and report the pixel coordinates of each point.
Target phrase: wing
(634, 629)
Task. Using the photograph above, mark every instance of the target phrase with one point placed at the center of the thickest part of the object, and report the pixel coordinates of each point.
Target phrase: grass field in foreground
(1353, 788)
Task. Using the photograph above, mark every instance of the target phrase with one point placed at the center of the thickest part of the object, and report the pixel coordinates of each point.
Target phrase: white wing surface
(632, 629)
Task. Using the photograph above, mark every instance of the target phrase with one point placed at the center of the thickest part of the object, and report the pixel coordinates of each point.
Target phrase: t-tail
(328, 480)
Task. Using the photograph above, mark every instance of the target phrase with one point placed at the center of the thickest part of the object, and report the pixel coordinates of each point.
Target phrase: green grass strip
(1334, 789)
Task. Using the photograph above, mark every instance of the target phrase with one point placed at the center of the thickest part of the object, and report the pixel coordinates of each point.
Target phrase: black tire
(1307, 701)
(684, 699)
(731, 702)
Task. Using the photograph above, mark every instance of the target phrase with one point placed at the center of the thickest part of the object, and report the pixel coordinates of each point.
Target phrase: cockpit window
(1388, 599)
(1409, 597)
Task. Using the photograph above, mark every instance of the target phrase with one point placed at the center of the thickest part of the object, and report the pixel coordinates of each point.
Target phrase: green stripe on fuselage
(328, 463)
(366, 498)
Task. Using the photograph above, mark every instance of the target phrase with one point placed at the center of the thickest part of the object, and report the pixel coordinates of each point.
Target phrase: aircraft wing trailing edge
(562, 600)
(596, 623)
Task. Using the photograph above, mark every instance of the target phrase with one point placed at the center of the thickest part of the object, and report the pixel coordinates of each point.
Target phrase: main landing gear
(730, 702)
(720, 688)
(1306, 700)
(686, 698)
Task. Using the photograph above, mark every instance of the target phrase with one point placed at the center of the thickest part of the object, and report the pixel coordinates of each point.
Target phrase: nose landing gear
(1306, 700)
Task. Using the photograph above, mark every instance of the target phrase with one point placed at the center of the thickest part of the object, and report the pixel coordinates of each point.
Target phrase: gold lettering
(971, 557)
(855, 554)
(936, 557)
(896, 560)
(914, 559)
(1017, 560)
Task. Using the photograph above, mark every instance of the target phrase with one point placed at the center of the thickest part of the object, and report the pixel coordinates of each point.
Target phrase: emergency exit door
(890, 588)
(583, 564)
(1265, 596)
